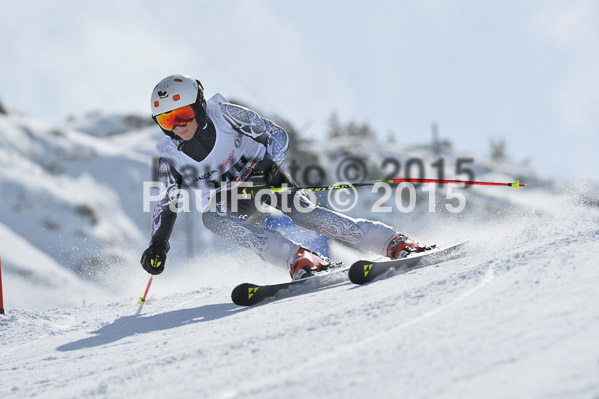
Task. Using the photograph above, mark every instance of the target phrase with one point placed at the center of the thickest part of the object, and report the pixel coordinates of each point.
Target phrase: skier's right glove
(154, 258)
(260, 178)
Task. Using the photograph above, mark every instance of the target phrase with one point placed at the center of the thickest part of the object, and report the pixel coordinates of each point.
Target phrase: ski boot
(305, 263)
(401, 246)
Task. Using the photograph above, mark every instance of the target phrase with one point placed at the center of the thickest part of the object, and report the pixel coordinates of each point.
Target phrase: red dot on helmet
(178, 80)
(176, 97)
(156, 103)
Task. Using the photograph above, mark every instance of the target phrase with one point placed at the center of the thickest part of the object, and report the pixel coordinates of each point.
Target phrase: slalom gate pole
(515, 184)
(1, 301)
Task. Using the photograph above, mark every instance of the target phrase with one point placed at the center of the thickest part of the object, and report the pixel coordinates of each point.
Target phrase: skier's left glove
(260, 178)
(154, 258)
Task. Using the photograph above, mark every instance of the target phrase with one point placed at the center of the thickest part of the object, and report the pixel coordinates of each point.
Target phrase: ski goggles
(178, 117)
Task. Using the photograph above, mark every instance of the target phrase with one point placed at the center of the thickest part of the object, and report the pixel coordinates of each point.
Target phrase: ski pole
(515, 184)
(142, 299)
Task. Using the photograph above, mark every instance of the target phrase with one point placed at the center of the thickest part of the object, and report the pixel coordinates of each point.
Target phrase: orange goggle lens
(177, 117)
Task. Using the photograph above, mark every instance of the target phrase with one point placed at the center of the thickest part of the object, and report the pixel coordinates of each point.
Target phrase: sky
(525, 72)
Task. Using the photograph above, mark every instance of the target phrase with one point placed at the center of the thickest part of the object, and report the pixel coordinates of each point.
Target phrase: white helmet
(177, 91)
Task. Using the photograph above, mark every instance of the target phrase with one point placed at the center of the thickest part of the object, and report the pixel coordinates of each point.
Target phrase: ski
(360, 272)
(248, 294)
(364, 271)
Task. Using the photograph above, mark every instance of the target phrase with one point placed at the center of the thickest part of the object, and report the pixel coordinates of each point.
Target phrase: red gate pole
(1, 302)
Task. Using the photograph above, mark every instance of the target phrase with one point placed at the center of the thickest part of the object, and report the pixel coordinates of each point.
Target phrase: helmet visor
(178, 117)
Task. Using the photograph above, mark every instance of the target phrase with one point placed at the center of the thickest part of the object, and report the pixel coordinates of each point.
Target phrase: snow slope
(64, 192)
(516, 317)
(34, 278)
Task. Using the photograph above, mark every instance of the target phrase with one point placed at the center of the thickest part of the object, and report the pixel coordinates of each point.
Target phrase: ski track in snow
(358, 345)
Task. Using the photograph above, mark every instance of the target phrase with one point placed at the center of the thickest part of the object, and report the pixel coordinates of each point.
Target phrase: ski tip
(244, 294)
(359, 271)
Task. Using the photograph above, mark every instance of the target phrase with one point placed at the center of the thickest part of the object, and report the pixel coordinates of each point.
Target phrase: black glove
(260, 177)
(154, 258)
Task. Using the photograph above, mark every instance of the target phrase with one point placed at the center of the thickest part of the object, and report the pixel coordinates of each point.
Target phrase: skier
(215, 145)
